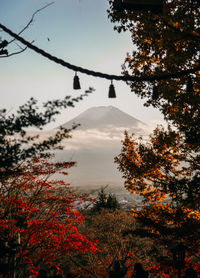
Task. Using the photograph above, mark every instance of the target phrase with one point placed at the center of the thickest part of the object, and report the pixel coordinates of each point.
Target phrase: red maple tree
(41, 211)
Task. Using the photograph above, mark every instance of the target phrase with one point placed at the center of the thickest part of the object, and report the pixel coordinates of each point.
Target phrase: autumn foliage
(41, 210)
(165, 173)
(39, 223)
(165, 43)
(165, 169)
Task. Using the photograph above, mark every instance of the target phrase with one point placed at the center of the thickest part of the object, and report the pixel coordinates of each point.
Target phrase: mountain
(103, 117)
(95, 144)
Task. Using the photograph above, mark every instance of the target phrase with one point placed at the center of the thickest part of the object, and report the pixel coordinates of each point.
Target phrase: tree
(41, 211)
(13, 131)
(164, 168)
(106, 229)
(165, 44)
(30, 205)
(165, 171)
(165, 174)
(105, 201)
(13, 128)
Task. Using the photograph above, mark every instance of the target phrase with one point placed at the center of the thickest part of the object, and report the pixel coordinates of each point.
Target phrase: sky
(80, 33)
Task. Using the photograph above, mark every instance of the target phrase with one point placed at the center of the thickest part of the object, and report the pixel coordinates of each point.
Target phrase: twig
(31, 20)
(25, 27)
(14, 53)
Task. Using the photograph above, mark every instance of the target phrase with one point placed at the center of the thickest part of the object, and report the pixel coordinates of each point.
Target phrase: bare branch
(6, 55)
(185, 34)
(31, 20)
(15, 53)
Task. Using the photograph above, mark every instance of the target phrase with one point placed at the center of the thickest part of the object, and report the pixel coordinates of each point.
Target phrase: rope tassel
(76, 84)
(111, 93)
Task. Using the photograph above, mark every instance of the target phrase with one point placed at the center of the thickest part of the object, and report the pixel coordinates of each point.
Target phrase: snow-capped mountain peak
(102, 117)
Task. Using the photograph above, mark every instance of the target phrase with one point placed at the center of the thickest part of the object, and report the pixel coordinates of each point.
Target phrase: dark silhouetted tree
(105, 201)
(166, 170)
(166, 43)
(16, 146)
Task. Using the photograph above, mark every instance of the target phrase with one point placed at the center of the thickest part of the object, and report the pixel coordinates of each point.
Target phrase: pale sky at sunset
(80, 33)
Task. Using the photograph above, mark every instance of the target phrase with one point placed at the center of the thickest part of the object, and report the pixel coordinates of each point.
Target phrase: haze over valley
(94, 145)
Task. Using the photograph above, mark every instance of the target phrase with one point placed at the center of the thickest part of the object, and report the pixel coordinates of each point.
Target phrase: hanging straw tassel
(111, 93)
(189, 86)
(76, 84)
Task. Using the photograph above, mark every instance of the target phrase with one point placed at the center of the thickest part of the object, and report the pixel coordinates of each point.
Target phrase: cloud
(109, 137)
(93, 138)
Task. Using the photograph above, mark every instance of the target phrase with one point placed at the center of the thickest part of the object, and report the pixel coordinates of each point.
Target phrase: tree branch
(6, 55)
(18, 52)
(14, 53)
(31, 20)
(183, 33)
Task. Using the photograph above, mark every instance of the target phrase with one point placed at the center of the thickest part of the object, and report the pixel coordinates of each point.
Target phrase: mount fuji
(95, 143)
(103, 117)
